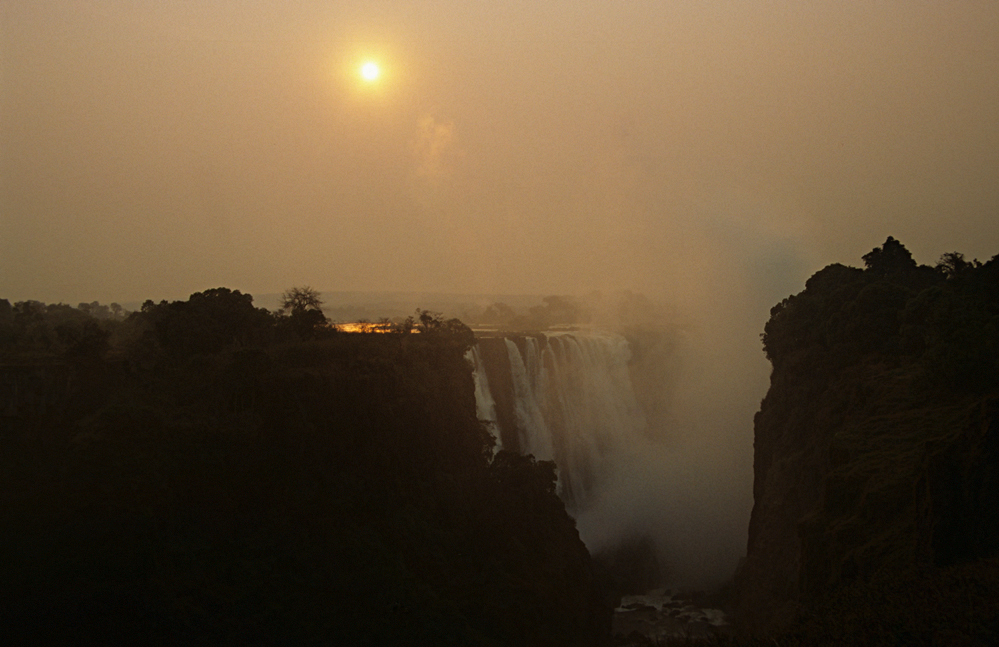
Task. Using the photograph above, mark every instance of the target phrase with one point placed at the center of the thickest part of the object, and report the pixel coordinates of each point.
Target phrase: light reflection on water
(366, 327)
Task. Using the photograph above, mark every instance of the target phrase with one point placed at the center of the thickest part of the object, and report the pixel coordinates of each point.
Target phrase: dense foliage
(877, 451)
(945, 319)
(206, 472)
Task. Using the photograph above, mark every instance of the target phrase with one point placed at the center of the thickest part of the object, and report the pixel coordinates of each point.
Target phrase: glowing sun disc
(370, 71)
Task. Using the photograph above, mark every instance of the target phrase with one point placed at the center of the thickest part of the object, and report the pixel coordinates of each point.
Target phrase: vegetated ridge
(876, 515)
(207, 472)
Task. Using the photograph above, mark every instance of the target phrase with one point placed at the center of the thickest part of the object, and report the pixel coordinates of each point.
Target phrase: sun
(370, 71)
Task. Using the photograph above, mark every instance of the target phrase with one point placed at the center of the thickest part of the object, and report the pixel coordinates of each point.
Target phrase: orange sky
(689, 150)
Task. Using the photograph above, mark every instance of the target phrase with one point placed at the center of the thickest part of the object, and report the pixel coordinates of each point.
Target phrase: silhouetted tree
(300, 299)
(207, 322)
(953, 264)
(434, 324)
(305, 309)
(498, 313)
(6, 322)
(407, 325)
(889, 258)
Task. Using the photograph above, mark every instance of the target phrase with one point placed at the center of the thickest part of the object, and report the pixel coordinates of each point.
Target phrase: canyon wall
(876, 450)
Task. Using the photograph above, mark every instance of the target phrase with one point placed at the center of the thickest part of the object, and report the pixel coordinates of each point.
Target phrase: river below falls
(661, 614)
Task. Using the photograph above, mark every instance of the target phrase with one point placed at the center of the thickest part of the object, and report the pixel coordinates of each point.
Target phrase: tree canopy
(301, 299)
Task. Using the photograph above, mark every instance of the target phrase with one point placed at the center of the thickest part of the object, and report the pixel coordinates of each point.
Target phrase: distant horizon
(678, 150)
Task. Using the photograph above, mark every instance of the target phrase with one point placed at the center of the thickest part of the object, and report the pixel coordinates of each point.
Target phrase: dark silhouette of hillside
(206, 472)
(876, 514)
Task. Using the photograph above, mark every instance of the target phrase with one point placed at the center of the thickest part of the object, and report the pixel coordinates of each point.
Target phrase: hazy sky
(700, 151)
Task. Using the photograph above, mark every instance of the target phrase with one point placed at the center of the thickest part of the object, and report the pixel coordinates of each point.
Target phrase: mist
(690, 490)
(683, 478)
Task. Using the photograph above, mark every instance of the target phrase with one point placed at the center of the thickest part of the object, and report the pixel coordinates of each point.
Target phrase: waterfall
(562, 396)
(646, 475)
(485, 406)
(528, 401)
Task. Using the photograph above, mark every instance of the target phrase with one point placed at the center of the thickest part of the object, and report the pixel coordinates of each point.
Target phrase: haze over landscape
(711, 156)
(152, 151)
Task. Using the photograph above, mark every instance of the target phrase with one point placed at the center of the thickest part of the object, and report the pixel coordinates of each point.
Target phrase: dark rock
(877, 445)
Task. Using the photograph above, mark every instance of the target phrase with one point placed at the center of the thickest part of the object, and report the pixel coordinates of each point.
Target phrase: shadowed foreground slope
(269, 491)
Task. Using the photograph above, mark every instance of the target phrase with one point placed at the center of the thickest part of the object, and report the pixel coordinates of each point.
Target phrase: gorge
(642, 474)
(207, 471)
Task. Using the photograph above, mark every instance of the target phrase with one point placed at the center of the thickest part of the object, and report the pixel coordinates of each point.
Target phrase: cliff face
(327, 492)
(876, 445)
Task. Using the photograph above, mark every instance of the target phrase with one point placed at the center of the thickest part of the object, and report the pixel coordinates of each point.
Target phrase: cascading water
(534, 435)
(485, 406)
(562, 396)
(644, 447)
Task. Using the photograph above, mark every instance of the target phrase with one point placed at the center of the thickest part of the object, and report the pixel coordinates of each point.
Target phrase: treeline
(943, 318)
(206, 323)
(207, 472)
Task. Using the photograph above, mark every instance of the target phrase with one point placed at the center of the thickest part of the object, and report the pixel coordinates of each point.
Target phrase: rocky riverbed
(664, 614)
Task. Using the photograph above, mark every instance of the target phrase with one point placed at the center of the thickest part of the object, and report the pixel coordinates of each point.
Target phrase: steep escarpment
(272, 490)
(877, 449)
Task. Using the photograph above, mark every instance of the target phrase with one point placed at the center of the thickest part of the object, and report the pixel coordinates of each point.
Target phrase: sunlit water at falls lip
(485, 330)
